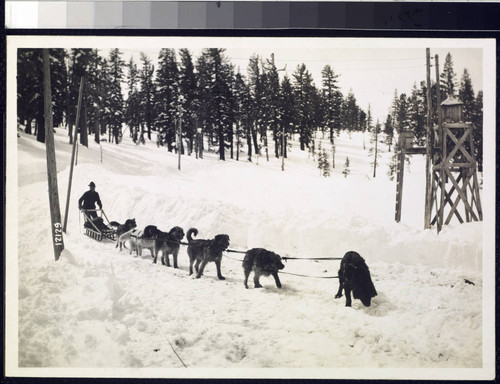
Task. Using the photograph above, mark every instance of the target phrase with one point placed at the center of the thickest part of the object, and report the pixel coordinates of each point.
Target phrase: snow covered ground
(100, 308)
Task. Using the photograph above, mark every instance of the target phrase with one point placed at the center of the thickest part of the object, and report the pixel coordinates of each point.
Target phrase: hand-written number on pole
(58, 239)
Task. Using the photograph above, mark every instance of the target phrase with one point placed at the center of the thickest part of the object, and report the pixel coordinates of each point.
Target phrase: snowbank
(99, 308)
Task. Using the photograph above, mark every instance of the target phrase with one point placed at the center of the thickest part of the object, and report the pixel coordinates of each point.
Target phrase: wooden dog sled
(98, 227)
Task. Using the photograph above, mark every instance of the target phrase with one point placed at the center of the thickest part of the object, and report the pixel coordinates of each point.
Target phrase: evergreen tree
(389, 131)
(133, 107)
(350, 113)
(304, 94)
(30, 101)
(368, 121)
(323, 162)
(346, 171)
(374, 151)
(29, 87)
(240, 91)
(477, 133)
(466, 95)
(272, 92)
(256, 92)
(147, 95)
(332, 98)
(416, 115)
(217, 78)
(187, 89)
(78, 66)
(448, 77)
(288, 110)
(402, 116)
(394, 110)
(115, 97)
(167, 96)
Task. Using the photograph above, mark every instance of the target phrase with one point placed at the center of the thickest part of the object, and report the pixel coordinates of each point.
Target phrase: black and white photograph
(250, 207)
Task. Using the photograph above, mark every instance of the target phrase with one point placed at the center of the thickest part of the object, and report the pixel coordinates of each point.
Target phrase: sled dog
(354, 276)
(168, 243)
(263, 263)
(201, 252)
(122, 230)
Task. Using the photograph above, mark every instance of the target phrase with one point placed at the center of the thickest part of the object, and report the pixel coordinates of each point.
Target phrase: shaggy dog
(204, 251)
(123, 231)
(354, 276)
(144, 239)
(168, 243)
(262, 262)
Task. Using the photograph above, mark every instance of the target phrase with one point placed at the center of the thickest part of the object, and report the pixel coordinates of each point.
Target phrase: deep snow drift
(99, 308)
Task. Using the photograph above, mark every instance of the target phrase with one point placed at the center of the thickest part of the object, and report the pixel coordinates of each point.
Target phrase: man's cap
(91, 184)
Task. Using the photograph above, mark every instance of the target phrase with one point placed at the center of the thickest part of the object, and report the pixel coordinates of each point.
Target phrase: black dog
(263, 263)
(201, 252)
(354, 276)
(168, 243)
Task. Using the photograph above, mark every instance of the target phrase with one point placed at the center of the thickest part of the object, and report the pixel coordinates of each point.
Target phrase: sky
(373, 74)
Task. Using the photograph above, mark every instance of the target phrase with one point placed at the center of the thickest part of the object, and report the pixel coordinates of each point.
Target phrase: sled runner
(97, 227)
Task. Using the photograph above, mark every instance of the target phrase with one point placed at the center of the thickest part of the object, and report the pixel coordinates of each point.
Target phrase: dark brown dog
(354, 276)
(168, 243)
(121, 229)
(203, 251)
(263, 263)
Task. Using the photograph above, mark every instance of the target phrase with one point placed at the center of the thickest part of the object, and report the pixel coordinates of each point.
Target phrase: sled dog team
(354, 275)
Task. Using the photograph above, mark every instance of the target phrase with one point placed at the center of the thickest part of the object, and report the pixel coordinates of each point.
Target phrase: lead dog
(263, 263)
(354, 276)
(168, 243)
(201, 252)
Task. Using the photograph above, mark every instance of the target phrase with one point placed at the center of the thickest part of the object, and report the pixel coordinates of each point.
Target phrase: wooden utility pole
(55, 213)
(438, 99)
(179, 140)
(75, 143)
(428, 147)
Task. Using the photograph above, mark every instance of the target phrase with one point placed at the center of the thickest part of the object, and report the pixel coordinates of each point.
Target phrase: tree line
(210, 98)
(207, 95)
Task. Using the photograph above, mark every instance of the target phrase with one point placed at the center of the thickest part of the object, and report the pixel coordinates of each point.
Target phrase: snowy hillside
(100, 308)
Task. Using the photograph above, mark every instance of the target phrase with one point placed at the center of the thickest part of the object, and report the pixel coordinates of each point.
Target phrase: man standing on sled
(89, 200)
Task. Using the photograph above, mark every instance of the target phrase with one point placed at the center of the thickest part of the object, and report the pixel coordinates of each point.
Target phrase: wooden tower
(455, 187)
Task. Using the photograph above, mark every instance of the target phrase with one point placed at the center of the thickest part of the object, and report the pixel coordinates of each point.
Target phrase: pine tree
(367, 126)
(477, 133)
(466, 95)
(389, 131)
(116, 66)
(29, 88)
(350, 113)
(187, 89)
(346, 171)
(447, 77)
(416, 114)
(332, 99)
(374, 151)
(147, 95)
(304, 93)
(323, 162)
(288, 113)
(30, 102)
(167, 96)
(132, 105)
(272, 92)
(256, 92)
